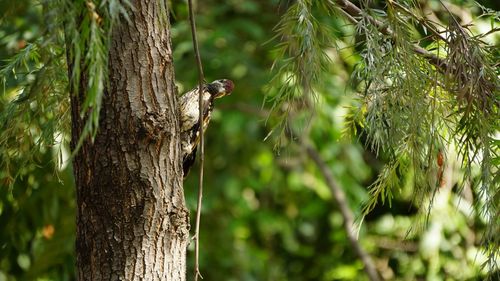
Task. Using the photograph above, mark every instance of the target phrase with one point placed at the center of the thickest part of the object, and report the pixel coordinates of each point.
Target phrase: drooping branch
(353, 12)
(422, 21)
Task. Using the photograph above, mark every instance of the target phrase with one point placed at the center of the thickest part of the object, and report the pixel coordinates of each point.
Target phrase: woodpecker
(189, 116)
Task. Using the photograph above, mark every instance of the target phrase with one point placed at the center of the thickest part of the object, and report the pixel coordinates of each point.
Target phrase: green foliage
(301, 59)
(36, 209)
(477, 106)
(35, 80)
(37, 216)
(87, 28)
(416, 108)
(34, 105)
(405, 109)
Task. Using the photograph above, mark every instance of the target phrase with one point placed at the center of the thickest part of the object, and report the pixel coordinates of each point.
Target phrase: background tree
(275, 212)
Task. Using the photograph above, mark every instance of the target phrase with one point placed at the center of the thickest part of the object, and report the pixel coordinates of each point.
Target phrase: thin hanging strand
(202, 148)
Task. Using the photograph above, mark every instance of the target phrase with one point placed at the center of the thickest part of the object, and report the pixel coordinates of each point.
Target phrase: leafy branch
(301, 60)
(34, 106)
(39, 73)
(87, 30)
(417, 103)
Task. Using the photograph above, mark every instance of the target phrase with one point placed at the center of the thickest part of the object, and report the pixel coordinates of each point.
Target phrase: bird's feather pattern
(189, 116)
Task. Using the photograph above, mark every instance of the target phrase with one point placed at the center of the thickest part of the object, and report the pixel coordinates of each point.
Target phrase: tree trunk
(132, 222)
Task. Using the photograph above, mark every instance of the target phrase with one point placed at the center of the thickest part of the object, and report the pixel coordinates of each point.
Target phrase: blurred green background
(267, 214)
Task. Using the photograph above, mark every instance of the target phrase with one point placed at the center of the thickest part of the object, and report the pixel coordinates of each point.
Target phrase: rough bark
(132, 222)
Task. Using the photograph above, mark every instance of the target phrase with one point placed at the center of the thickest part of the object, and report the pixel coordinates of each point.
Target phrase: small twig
(340, 199)
(452, 17)
(496, 29)
(202, 143)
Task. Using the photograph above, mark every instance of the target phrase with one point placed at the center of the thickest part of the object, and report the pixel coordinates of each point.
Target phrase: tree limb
(340, 199)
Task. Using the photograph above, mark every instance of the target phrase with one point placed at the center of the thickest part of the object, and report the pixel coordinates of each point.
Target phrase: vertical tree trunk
(132, 222)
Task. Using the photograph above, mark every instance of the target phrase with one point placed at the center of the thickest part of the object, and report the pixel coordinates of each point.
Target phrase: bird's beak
(223, 94)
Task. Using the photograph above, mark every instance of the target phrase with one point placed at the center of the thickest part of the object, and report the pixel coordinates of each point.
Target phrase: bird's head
(221, 87)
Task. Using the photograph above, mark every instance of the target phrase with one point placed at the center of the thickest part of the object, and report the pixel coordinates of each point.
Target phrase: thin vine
(202, 146)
